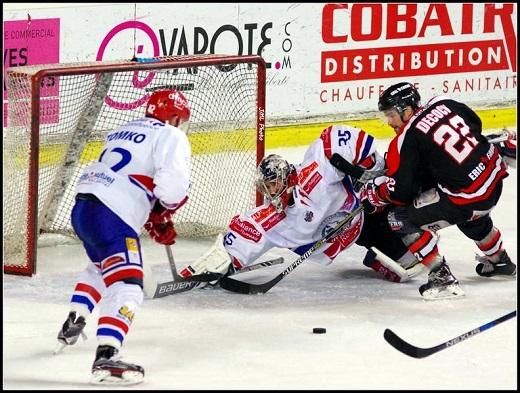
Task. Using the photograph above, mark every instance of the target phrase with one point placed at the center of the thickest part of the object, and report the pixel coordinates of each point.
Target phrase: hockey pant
(115, 274)
(433, 210)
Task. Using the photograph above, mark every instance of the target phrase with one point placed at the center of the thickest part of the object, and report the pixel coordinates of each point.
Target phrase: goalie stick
(355, 171)
(408, 349)
(247, 288)
(185, 284)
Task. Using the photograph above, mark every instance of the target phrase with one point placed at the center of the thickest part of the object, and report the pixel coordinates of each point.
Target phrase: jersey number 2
(126, 157)
(448, 136)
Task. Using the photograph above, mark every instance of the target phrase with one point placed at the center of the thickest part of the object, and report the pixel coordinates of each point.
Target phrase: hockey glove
(370, 195)
(162, 233)
(160, 225)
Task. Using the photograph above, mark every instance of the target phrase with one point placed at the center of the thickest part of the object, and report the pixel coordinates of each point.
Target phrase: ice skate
(504, 266)
(109, 369)
(71, 330)
(441, 284)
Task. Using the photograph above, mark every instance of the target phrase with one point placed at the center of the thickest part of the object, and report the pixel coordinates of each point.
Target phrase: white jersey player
(304, 202)
(140, 179)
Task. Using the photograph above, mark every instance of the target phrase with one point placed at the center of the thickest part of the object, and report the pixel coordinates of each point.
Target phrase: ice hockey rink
(214, 339)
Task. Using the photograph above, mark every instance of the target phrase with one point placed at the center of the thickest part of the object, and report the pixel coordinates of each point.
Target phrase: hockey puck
(319, 330)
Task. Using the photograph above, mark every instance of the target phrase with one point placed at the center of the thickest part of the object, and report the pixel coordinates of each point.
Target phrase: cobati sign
(431, 39)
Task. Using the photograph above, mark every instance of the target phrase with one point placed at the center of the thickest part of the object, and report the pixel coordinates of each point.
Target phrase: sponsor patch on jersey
(112, 261)
(245, 229)
(313, 181)
(133, 250)
(305, 172)
(126, 314)
(263, 213)
(96, 177)
(273, 220)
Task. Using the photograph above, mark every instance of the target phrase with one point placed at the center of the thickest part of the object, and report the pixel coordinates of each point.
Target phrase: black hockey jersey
(443, 143)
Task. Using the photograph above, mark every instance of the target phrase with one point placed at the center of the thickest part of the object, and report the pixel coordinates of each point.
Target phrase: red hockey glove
(160, 225)
(371, 197)
(162, 233)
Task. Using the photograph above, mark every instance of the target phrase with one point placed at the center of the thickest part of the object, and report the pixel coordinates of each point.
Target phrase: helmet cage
(272, 168)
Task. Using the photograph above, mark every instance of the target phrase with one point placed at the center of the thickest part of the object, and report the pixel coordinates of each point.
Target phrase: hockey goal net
(59, 115)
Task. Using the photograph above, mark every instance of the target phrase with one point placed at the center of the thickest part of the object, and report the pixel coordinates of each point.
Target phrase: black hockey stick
(360, 173)
(181, 284)
(247, 288)
(398, 343)
(352, 170)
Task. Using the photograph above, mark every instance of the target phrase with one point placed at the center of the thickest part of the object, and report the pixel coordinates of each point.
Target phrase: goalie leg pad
(390, 269)
(215, 260)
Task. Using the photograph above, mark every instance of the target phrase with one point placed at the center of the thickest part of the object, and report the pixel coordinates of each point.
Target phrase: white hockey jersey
(142, 161)
(323, 196)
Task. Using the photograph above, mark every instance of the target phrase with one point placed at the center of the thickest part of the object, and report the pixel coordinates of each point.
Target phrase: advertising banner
(324, 60)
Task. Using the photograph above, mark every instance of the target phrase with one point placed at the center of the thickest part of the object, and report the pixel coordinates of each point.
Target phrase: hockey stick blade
(186, 284)
(173, 287)
(408, 349)
(253, 289)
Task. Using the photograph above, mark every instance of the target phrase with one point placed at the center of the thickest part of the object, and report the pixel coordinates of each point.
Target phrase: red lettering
(505, 15)
(327, 23)
(410, 23)
(442, 20)
(467, 19)
(376, 19)
(245, 229)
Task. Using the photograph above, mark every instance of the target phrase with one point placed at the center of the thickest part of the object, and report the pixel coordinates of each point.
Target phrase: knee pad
(477, 229)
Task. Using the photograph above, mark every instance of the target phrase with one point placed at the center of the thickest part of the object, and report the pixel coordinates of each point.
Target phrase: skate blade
(449, 292)
(59, 348)
(61, 345)
(103, 377)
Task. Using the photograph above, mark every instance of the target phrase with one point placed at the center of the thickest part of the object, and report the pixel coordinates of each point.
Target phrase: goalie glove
(215, 260)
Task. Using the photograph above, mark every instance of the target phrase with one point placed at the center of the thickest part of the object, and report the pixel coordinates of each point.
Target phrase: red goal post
(59, 114)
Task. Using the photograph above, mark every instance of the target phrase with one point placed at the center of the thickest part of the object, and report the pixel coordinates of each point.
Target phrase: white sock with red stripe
(119, 306)
(88, 291)
(424, 247)
(491, 245)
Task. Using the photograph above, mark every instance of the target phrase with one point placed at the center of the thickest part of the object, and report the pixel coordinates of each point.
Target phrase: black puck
(319, 330)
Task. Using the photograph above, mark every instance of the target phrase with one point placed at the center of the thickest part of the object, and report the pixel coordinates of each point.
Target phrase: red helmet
(163, 104)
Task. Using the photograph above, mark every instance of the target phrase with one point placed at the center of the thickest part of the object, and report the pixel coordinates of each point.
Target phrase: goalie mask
(275, 180)
(164, 104)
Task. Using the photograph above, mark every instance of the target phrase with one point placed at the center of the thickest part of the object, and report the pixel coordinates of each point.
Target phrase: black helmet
(399, 96)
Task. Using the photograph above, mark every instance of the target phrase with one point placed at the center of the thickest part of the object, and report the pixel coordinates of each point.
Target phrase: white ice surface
(214, 339)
